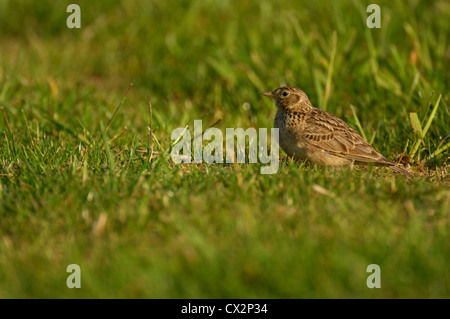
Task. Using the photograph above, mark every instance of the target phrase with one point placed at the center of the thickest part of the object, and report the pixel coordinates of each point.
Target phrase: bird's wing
(324, 131)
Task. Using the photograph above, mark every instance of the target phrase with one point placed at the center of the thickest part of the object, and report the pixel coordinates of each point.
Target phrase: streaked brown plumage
(309, 133)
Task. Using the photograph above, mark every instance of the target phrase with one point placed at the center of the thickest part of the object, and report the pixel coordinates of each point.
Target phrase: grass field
(78, 183)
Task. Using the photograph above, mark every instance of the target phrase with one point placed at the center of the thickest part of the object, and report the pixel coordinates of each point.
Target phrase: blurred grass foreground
(86, 176)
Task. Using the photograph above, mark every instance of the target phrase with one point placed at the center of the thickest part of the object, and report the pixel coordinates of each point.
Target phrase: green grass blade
(358, 124)
(415, 124)
(110, 157)
(432, 115)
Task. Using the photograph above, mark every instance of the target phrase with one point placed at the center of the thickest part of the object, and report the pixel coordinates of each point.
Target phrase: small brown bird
(309, 133)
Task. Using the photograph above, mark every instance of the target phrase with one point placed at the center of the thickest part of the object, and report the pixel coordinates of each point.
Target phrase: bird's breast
(289, 132)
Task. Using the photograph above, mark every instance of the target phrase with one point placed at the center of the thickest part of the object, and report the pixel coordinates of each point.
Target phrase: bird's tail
(400, 170)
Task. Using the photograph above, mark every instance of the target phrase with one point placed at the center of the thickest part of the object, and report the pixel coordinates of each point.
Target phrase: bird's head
(290, 99)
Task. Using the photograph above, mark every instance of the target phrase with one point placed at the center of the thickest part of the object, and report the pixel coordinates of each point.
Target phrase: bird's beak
(269, 94)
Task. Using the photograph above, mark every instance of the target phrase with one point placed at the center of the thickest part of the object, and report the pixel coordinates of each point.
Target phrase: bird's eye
(285, 93)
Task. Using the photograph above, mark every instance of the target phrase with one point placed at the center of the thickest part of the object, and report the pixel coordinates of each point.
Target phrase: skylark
(309, 133)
